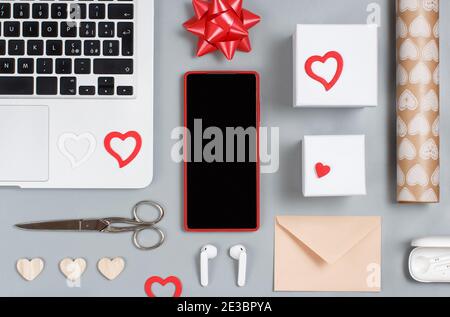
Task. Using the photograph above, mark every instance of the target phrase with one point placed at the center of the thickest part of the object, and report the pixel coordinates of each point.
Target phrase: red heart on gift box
(158, 280)
(123, 161)
(323, 59)
(322, 170)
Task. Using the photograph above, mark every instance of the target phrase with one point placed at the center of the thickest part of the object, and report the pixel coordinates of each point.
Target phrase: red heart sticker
(322, 170)
(117, 135)
(323, 59)
(158, 280)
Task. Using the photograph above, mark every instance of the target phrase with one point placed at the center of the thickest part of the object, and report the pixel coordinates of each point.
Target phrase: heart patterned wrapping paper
(418, 101)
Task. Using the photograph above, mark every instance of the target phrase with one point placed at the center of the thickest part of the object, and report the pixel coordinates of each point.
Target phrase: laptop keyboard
(71, 48)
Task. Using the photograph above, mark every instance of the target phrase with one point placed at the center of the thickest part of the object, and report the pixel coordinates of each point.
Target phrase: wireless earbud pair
(208, 252)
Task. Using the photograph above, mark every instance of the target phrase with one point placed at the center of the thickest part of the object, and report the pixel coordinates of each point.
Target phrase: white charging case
(429, 261)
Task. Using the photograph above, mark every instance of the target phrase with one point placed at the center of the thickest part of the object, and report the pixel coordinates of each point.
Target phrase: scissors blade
(66, 225)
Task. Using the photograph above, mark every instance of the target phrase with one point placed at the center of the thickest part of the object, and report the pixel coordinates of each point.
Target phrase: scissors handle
(148, 225)
(148, 203)
(137, 243)
(138, 225)
(120, 225)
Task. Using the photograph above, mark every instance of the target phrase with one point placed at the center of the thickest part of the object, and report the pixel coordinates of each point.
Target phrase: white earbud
(238, 252)
(208, 252)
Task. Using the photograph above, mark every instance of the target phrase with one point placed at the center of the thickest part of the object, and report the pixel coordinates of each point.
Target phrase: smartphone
(221, 157)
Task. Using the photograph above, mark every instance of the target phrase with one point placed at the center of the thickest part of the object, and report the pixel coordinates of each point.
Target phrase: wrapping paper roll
(418, 101)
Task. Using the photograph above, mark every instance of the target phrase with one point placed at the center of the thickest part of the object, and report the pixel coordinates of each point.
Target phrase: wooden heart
(30, 269)
(111, 268)
(72, 269)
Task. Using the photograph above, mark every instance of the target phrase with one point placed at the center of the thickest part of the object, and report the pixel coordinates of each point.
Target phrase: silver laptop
(76, 93)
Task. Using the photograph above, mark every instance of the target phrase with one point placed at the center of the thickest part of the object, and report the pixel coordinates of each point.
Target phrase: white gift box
(336, 66)
(333, 165)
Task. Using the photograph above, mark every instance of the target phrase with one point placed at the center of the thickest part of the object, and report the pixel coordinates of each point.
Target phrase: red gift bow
(221, 25)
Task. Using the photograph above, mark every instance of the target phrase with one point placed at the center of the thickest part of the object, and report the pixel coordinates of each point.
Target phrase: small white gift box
(334, 165)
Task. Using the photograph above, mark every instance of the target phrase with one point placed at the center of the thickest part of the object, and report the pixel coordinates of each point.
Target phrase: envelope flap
(329, 237)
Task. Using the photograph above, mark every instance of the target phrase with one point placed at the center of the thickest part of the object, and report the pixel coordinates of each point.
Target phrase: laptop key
(125, 32)
(106, 81)
(40, 10)
(111, 48)
(21, 10)
(16, 85)
(106, 29)
(16, 47)
(5, 11)
(11, 29)
(77, 11)
(35, 47)
(87, 90)
(120, 11)
(125, 90)
(25, 66)
(7, 65)
(73, 48)
(44, 66)
(68, 86)
(106, 86)
(30, 29)
(49, 29)
(88, 29)
(54, 48)
(59, 11)
(97, 11)
(92, 48)
(47, 85)
(63, 66)
(110, 66)
(106, 91)
(82, 66)
(69, 29)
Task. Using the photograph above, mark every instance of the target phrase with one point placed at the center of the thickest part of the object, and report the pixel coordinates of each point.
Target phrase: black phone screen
(221, 159)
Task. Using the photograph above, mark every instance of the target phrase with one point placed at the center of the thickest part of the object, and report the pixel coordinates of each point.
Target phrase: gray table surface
(280, 192)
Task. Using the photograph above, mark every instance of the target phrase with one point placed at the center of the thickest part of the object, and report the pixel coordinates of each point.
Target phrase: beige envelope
(337, 254)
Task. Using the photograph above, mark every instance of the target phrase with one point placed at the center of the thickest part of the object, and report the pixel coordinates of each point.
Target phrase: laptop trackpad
(24, 143)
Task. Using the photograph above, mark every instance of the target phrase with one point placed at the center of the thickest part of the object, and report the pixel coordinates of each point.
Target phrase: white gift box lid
(432, 242)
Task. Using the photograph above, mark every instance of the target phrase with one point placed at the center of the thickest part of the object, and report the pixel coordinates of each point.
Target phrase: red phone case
(257, 151)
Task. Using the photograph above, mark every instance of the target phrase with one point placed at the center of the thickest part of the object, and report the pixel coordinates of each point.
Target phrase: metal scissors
(109, 225)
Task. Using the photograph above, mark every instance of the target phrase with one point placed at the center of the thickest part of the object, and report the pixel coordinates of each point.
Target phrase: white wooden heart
(72, 269)
(111, 268)
(30, 269)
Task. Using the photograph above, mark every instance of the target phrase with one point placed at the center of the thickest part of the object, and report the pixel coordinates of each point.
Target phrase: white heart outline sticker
(77, 138)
